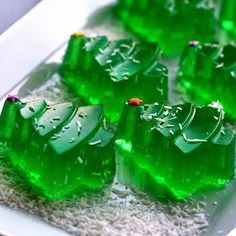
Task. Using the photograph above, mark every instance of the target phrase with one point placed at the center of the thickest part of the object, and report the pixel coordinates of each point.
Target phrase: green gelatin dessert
(171, 23)
(173, 151)
(109, 72)
(228, 16)
(60, 149)
(207, 72)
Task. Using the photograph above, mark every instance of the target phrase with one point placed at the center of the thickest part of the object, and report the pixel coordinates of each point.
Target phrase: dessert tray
(118, 210)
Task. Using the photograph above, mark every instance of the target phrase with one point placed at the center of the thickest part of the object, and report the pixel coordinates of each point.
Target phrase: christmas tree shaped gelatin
(171, 23)
(109, 72)
(60, 149)
(173, 151)
(208, 72)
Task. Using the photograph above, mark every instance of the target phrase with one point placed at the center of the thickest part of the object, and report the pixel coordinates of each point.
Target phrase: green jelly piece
(170, 23)
(207, 72)
(173, 151)
(60, 149)
(228, 16)
(110, 72)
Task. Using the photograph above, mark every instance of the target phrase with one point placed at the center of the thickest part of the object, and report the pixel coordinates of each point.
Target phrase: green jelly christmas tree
(109, 72)
(171, 23)
(207, 72)
(173, 151)
(59, 149)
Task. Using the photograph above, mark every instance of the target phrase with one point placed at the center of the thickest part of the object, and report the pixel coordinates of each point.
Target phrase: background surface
(12, 10)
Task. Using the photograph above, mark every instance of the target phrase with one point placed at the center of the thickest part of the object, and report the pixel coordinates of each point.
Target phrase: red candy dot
(135, 101)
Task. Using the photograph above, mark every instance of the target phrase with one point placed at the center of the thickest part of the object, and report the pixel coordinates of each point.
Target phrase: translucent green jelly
(59, 149)
(228, 16)
(170, 23)
(174, 151)
(207, 72)
(108, 73)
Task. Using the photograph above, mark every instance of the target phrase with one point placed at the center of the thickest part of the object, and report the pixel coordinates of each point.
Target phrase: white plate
(33, 49)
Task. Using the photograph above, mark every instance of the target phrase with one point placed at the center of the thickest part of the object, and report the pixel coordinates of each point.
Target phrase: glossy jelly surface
(228, 16)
